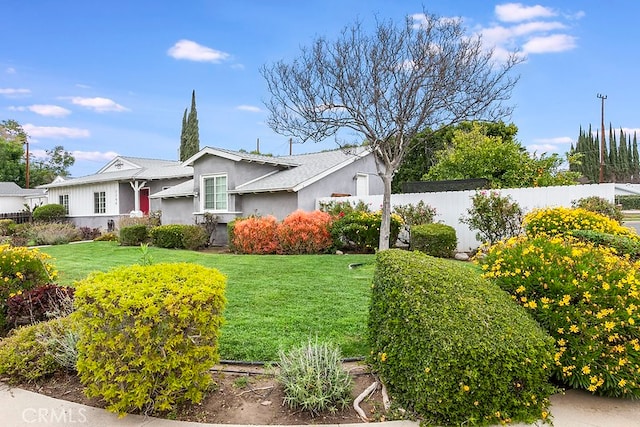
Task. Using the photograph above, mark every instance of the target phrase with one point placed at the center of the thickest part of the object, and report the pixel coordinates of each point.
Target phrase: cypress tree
(613, 156)
(183, 138)
(623, 163)
(192, 133)
(635, 168)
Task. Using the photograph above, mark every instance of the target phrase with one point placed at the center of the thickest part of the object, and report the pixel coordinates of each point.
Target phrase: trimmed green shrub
(314, 379)
(49, 213)
(194, 237)
(437, 240)
(628, 202)
(167, 236)
(149, 334)
(21, 269)
(54, 233)
(179, 236)
(623, 245)
(599, 205)
(587, 298)
(360, 231)
(453, 347)
(24, 356)
(133, 235)
(560, 220)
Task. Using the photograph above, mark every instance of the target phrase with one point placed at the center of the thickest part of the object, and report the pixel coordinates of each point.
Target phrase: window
(214, 189)
(99, 202)
(63, 199)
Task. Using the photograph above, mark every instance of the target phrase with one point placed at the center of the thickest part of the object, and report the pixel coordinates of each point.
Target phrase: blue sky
(108, 78)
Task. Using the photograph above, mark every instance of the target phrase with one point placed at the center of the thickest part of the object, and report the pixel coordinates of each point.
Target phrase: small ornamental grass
(587, 298)
(314, 379)
(149, 334)
(559, 221)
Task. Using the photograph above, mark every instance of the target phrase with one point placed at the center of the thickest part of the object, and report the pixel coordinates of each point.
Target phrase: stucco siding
(176, 210)
(278, 204)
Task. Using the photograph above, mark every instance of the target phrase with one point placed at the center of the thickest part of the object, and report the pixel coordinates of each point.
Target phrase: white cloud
(516, 12)
(94, 155)
(13, 92)
(192, 51)
(83, 86)
(44, 110)
(250, 108)
(10, 70)
(55, 132)
(631, 131)
(556, 140)
(552, 43)
(98, 104)
(542, 148)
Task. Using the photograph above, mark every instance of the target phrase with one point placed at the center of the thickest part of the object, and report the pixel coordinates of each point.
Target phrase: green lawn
(273, 301)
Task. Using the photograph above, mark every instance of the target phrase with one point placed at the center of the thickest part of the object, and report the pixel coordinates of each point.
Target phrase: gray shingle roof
(13, 189)
(311, 167)
(149, 169)
(184, 189)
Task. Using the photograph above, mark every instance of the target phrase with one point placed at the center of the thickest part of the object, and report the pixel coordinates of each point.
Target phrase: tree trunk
(385, 225)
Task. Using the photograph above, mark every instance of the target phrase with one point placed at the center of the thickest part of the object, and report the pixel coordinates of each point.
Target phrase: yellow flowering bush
(588, 299)
(21, 269)
(561, 220)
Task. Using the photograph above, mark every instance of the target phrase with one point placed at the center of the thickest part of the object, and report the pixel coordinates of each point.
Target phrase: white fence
(451, 205)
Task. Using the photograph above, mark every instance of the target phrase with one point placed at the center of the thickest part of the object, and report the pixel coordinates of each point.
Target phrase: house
(14, 199)
(120, 188)
(231, 184)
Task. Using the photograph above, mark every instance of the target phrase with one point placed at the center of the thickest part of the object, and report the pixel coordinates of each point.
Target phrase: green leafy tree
(504, 162)
(193, 132)
(421, 155)
(387, 86)
(56, 163)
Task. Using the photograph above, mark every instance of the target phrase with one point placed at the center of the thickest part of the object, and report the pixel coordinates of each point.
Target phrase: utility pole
(602, 98)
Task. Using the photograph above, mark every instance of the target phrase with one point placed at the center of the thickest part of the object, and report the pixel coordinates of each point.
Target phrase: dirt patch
(243, 395)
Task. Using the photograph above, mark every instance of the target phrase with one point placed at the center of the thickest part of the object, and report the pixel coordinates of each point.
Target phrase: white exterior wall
(11, 204)
(451, 205)
(81, 198)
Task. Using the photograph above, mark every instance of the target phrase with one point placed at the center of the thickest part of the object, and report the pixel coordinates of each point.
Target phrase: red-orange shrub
(305, 233)
(256, 235)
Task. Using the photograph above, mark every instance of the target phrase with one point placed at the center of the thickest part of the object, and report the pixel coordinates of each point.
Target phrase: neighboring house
(121, 188)
(231, 184)
(14, 199)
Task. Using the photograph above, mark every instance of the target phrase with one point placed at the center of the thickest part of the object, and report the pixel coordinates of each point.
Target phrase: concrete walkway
(21, 408)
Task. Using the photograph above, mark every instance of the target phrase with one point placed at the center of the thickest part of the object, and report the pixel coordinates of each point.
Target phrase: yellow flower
(586, 370)
(622, 383)
(383, 357)
(574, 329)
(465, 388)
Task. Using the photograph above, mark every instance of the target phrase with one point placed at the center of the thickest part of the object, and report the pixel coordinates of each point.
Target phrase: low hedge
(49, 213)
(133, 235)
(179, 236)
(623, 245)
(360, 231)
(549, 222)
(437, 240)
(628, 202)
(149, 334)
(453, 347)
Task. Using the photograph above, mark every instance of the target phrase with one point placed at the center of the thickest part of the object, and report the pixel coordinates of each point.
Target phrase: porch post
(136, 196)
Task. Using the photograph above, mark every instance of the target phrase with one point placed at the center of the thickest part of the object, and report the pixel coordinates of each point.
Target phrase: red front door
(144, 200)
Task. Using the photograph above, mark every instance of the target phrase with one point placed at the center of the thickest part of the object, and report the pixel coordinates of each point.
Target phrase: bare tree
(387, 86)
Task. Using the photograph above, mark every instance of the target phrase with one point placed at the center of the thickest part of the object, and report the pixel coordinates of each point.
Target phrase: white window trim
(202, 192)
